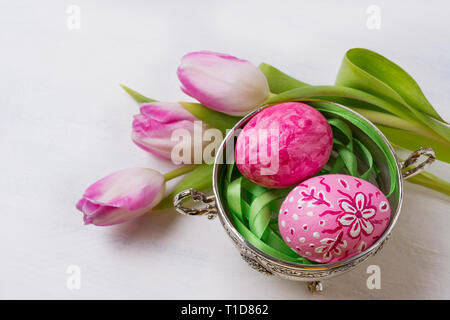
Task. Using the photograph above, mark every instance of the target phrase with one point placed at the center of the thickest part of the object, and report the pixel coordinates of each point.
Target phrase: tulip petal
(166, 112)
(122, 196)
(222, 82)
(154, 126)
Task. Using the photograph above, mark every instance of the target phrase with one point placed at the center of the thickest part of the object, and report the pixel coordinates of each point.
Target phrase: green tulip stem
(179, 171)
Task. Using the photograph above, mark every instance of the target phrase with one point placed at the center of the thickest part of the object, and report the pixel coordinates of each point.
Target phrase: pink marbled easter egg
(283, 145)
(333, 217)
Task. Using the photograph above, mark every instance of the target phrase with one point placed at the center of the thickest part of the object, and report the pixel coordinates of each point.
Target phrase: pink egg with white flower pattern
(333, 217)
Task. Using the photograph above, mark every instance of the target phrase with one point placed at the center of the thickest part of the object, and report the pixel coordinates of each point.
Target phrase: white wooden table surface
(65, 122)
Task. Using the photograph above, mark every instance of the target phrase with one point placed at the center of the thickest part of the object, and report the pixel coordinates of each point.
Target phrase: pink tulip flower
(153, 127)
(121, 196)
(222, 82)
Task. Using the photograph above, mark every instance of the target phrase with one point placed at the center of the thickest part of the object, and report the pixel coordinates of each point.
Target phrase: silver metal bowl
(213, 205)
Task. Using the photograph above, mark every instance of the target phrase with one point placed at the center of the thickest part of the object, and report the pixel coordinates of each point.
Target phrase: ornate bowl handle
(413, 159)
(207, 203)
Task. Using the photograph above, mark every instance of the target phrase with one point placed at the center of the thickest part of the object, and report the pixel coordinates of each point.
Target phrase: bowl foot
(315, 287)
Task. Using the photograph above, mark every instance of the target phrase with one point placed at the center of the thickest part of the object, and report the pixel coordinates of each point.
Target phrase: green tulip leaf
(279, 81)
(413, 141)
(327, 93)
(369, 71)
(213, 118)
(431, 181)
(139, 98)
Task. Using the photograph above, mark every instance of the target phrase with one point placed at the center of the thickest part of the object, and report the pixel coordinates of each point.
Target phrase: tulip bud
(153, 128)
(122, 196)
(222, 82)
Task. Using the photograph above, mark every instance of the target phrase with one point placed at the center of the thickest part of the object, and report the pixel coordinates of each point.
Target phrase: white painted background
(65, 122)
